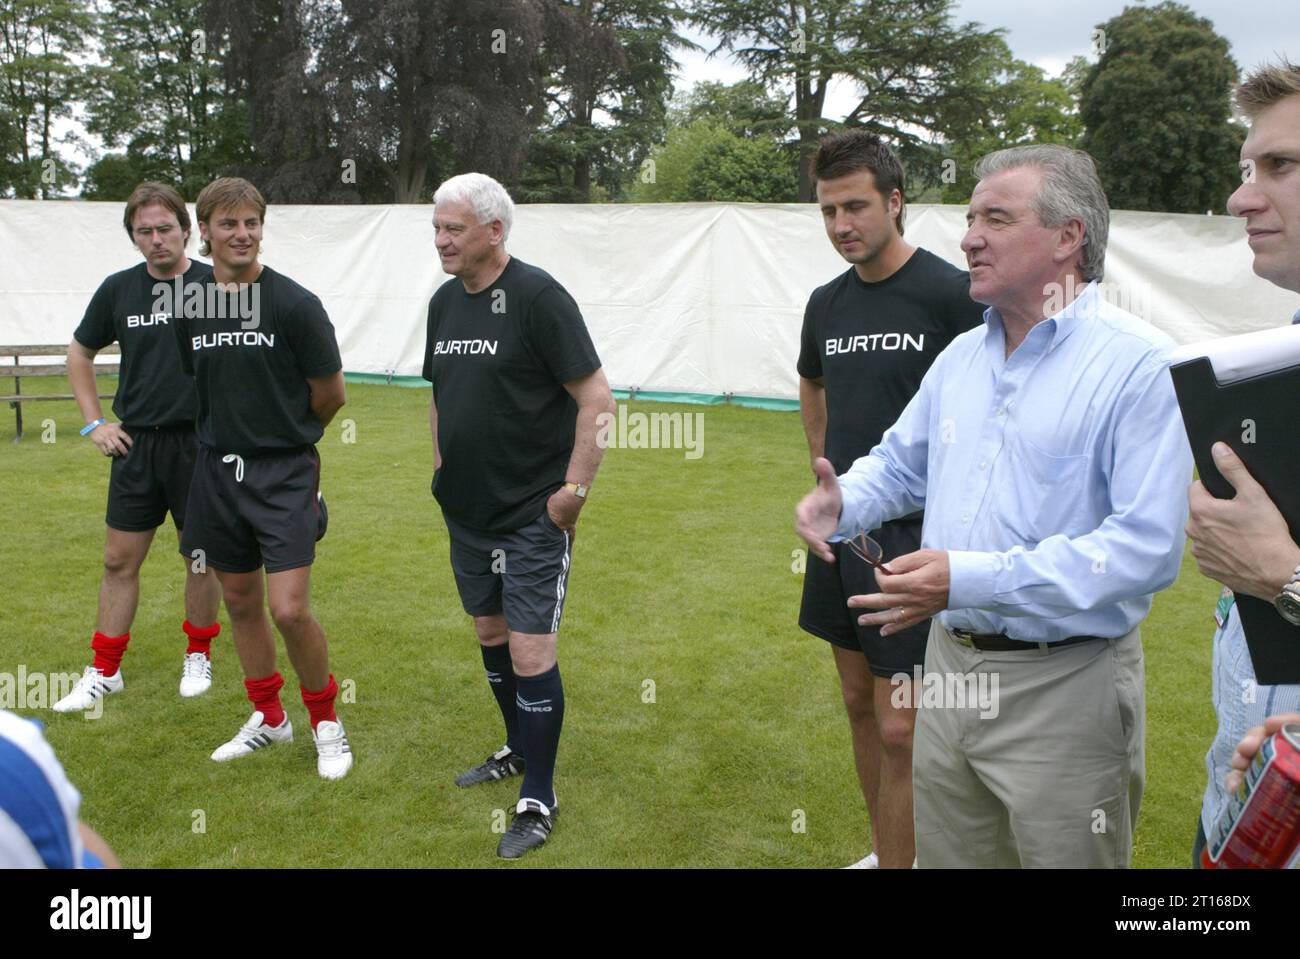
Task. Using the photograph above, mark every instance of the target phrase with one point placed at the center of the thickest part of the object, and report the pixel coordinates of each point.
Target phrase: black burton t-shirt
(873, 342)
(152, 388)
(498, 360)
(251, 354)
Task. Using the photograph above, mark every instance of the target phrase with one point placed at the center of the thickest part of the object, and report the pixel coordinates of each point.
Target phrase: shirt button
(966, 518)
(1000, 411)
(984, 466)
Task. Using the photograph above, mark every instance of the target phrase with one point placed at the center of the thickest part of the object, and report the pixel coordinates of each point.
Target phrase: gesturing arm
(433, 430)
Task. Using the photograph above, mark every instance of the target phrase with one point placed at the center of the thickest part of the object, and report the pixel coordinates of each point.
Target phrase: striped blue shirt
(1240, 703)
(38, 806)
(1056, 478)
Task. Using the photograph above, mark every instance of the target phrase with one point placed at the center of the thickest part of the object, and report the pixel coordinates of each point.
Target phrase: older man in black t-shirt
(517, 390)
(270, 379)
(868, 338)
(153, 444)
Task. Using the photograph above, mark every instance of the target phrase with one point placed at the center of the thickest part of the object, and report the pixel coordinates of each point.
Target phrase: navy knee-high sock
(541, 714)
(501, 677)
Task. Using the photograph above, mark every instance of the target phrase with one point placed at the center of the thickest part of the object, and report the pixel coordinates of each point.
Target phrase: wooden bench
(20, 371)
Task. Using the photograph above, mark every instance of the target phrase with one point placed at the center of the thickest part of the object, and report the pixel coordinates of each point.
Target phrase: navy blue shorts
(152, 479)
(826, 591)
(251, 511)
(524, 574)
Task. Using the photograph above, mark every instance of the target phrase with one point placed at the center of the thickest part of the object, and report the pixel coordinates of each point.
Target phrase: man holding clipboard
(1244, 542)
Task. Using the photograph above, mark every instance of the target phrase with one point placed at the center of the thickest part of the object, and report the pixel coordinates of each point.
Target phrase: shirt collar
(1062, 323)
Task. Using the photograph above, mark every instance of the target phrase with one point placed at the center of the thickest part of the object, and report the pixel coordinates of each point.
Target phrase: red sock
(200, 637)
(265, 694)
(109, 651)
(321, 705)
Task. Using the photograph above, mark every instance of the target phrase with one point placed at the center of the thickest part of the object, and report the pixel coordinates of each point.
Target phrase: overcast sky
(1048, 33)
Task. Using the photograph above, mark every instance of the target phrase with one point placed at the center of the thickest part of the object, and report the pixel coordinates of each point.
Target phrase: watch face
(1288, 605)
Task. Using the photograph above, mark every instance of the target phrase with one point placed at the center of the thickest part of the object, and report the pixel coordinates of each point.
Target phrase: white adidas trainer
(333, 754)
(868, 862)
(252, 736)
(91, 687)
(196, 675)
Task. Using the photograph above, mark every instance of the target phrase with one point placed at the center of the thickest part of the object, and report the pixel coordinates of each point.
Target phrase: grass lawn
(682, 593)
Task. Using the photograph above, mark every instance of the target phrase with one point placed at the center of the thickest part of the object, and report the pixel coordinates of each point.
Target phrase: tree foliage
(40, 41)
(608, 67)
(1157, 113)
(917, 73)
(704, 161)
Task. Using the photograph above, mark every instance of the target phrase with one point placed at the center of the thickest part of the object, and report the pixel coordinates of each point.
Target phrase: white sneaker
(252, 736)
(870, 862)
(333, 754)
(91, 687)
(196, 675)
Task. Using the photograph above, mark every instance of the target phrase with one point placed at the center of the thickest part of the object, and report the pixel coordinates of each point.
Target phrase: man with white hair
(1047, 450)
(1244, 542)
(517, 393)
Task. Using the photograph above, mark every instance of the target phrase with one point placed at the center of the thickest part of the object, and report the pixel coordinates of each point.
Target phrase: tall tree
(160, 94)
(421, 87)
(1157, 114)
(1025, 106)
(294, 156)
(608, 67)
(40, 41)
(916, 72)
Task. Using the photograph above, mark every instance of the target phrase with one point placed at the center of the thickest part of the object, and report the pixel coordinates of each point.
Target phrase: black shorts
(826, 591)
(152, 479)
(251, 511)
(524, 574)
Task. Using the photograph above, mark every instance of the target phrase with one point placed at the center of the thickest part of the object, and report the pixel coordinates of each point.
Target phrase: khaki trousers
(1048, 772)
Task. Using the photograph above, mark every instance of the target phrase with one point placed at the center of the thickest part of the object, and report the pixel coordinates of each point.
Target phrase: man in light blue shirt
(1049, 455)
(1244, 542)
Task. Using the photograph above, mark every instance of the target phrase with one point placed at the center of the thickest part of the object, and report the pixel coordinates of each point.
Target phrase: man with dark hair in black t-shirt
(517, 391)
(270, 379)
(868, 338)
(153, 444)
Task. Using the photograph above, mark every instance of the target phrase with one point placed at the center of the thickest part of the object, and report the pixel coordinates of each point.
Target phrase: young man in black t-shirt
(517, 390)
(868, 338)
(269, 377)
(152, 446)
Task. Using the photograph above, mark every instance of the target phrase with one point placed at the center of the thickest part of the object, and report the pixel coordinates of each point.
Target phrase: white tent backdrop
(680, 298)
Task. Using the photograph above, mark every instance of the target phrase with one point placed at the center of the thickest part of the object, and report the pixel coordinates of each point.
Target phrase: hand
(1244, 542)
(564, 507)
(818, 514)
(1249, 746)
(915, 591)
(111, 439)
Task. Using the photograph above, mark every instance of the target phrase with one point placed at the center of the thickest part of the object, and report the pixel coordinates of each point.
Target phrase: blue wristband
(91, 427)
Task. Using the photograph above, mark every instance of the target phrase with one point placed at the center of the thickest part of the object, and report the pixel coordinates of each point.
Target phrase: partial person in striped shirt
(39, 823)
(1245, 543)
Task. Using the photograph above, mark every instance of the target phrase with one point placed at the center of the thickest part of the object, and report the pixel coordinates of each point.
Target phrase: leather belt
(1001, 643)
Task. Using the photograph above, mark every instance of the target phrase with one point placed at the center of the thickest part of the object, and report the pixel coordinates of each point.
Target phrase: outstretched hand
(818, 514)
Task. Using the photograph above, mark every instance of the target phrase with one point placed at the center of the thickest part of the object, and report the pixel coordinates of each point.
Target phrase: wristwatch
(1288, 601)
(578, 489)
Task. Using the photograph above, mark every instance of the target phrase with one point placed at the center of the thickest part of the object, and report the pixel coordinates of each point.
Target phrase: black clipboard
(1256, 416)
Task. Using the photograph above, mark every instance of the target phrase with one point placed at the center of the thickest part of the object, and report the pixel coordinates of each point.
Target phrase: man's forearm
(587, 453)
(433, 432)
(812, 410)
(81, 376)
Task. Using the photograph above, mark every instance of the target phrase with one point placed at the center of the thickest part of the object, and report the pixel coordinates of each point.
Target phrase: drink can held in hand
(1260, 829)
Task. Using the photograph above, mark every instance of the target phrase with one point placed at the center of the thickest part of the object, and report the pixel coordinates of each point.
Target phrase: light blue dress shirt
(1056, 479)
(1240, 703)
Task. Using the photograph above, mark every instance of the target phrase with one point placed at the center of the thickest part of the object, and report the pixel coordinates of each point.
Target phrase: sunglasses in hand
(869, 551)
